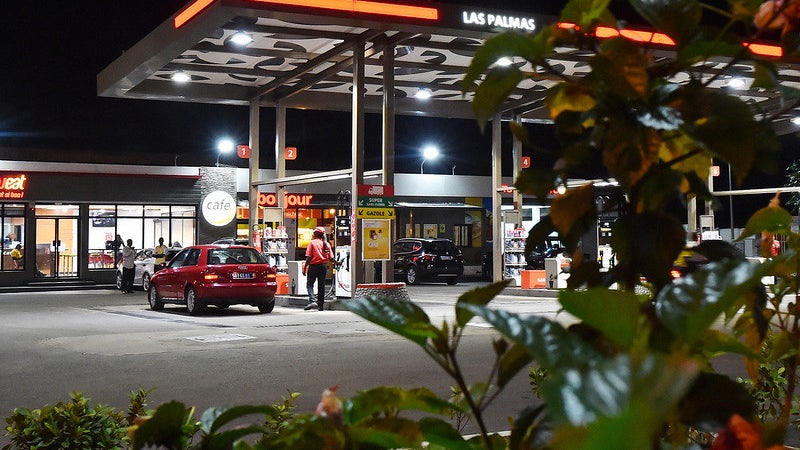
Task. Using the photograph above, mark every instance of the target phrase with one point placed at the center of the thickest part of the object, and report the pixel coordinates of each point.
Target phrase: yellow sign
(375, 213)
(376, 240)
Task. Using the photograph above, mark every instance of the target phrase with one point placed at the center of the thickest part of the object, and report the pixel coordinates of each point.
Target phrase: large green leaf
(441, 433)
(552, 346)
(615, 313)
(772, 219)
(387, 399)
(385, 433)
(585, 13)
(712, 399)
(691, 304)
(624, 402)
(620, 68)
(215, 418)
(478, 296)
(535, 181)
(568, 210)
(647, 244)
(715, 342)
(569, 96)
(499, 83)
(730, 132)
(511, 362)
(403, 318)
(164, 428)
(531, 429)
(679, 19)
(507, 45)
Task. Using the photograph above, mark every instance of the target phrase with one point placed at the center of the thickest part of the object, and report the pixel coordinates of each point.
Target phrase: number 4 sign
(290, 153)
(526, 162)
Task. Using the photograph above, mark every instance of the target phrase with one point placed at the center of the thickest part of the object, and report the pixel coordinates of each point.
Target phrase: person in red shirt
(315, 268)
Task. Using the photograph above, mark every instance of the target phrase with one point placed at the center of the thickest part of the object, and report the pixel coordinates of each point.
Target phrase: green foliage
(74, 424)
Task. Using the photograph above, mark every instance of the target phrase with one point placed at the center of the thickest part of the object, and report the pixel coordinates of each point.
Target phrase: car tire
(119, 279)
(154, 299)
(194, 306)
(412, 276)
(146, 282)
(451, 281)
(267, 307)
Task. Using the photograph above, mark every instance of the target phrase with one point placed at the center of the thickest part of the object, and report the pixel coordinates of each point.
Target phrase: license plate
(242, 275)
(445, 258)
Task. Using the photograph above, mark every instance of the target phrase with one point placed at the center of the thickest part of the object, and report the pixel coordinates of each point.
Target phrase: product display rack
(273, 245)
(514, 253)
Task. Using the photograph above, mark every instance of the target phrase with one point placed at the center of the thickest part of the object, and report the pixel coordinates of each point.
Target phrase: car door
(167, 278)
(187, 273)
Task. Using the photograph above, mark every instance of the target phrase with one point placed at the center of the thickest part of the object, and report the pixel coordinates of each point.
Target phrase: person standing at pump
(128, 255)
(315, 268)
(160, 253)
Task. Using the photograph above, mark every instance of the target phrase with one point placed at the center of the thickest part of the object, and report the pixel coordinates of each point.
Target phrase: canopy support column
(253, 166)
(497, 180)
(357, 151)
(388, 145)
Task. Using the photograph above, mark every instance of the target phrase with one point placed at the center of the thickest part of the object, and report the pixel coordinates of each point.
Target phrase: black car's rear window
(234, 255)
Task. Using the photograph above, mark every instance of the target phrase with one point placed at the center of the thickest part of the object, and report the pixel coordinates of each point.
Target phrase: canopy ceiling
(301, 55)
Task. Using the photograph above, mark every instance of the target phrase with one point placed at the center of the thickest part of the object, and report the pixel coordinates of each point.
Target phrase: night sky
(53, 50)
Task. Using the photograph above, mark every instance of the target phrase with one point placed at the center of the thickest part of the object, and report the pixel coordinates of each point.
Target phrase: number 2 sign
(290, 153)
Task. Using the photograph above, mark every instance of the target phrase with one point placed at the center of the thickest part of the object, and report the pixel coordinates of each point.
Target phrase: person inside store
(116, 245)
(128, 255)
(160, 253)
(16, 257)
(315, 268)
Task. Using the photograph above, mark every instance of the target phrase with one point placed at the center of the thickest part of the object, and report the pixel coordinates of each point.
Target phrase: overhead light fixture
(241, 38)
(796, 120)
(736, 83)
(180, 77)
(505, 61)
(424, 94)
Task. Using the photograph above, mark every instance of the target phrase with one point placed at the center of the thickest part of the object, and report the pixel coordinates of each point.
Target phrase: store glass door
(56, 241)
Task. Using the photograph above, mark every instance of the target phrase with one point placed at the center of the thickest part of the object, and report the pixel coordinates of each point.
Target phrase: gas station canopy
(300, 53)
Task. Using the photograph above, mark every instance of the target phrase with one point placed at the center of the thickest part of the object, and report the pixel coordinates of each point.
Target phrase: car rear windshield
(235, 256)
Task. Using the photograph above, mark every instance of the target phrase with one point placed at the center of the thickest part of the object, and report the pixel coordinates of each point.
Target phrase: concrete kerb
(396, 291)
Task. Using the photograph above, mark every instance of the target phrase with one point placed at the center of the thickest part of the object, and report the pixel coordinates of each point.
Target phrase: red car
(219, 275)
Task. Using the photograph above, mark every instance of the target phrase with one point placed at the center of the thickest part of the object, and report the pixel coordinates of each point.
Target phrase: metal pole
(730, 200)
(253, 165)
(357, 149)
(388, 144)
(497, 229)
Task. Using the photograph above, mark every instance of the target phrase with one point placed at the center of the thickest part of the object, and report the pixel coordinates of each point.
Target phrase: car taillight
(271, 276)
(675, 273)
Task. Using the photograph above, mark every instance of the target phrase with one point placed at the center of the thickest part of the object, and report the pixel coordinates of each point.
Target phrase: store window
(462, 235)
(12, 221)
(143, 224)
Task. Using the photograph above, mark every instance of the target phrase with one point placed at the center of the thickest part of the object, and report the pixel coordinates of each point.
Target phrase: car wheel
(267, 307)
(119, 280)
(412, 277)
(194, 305)
(146, 282)
(451, 280)
(154, 299)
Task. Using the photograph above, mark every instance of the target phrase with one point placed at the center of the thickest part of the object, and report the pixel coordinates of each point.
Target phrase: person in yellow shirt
(16, 257)
(160, 254)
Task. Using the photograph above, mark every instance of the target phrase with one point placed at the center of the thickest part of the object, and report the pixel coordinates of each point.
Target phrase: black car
(417, 259)
(550, 248)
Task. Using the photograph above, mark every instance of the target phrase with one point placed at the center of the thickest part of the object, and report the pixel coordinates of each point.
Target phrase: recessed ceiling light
(796, 120)
(241, 38)
(424, 94)
(736, 83)
(180, 77)
(504, 61)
